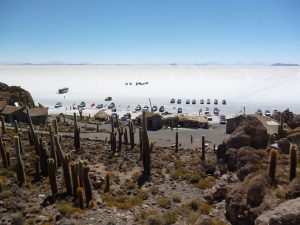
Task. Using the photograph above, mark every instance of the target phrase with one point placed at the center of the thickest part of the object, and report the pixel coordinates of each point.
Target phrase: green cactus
(272, 165)
(203, 148)
(107, 183)
(19, 165)
(87, 184)
(52, 176)
(3, 153)
(293, 162)
(176, 141)
(80, 197)
(131, 134)
(3, 125)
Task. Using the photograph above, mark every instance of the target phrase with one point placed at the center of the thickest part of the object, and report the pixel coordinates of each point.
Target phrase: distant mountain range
(284, 64)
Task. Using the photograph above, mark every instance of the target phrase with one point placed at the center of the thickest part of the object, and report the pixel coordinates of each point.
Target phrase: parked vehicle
(58, 105)
(216, 111)
(194, 101)
(138, 108)
(82, 104)
(179, 110)
(114, 110)
(222, 119)
(201, 101)
(224, 102)
(99, 106)
(146, 108)
(187, 101)
(268, 113)
(63, 90)
(179, 101)
(111, 105)
(216, 102)
(259, 112)
(208, 101)
(206, 112)
(108, 99)
(154, 108)
(172, 100)
(161, 109)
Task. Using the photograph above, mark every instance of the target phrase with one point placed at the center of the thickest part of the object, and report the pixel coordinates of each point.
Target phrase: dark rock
(209, 168)
(256, 190)
(250, 132)
(246, 170)
(293, 189)
(231, 159)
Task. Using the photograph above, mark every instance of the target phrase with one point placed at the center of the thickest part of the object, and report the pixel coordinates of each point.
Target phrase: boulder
(231, 159)
(293, 189)
(250, 132)
(245, 170)
(257, 188)
(286, 213)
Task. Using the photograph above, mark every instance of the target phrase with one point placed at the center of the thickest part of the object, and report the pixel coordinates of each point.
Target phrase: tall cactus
(55, 125)
(16, 126)
(107, 183)
(125, 136)
(3, 153)
(113, 143)
(176, 141)
(37, 167)
(33, 135)
(203, 148)
(52, 176)
(80, 173)
(281, 132)
(87, 185)
(272, 165)
(67, 175)
(75, 179)
(146, 150)
(131, 133)
(293, 162)
(80, 197)
(120, 133)
(52, 146)
(19, 165)
(3, 125)
(76, 134)
(44, 158)
(20, 142)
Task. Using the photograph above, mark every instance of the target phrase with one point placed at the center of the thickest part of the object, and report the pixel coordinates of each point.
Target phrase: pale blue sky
(152, 31)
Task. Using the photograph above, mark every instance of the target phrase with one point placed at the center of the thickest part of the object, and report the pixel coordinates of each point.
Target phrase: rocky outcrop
(286, 213)
(250, 132)
(293, 189)
(12, 94)
(247, 200)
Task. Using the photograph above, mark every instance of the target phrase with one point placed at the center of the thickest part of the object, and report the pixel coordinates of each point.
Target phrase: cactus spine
(293, 162)
(131, 134)
(272, 165)
(3, 154)
(87, 185)
(76, 134)
(52, 176)
(3, 125)
(19, 166)
(203, 148)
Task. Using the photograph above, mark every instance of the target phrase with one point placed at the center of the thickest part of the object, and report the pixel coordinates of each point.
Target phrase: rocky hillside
(14, 94)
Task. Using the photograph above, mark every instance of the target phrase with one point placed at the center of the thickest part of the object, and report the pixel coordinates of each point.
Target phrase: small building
(191, 121)
(12, 113)
(102, 116)
(154, 121)
(37, 115)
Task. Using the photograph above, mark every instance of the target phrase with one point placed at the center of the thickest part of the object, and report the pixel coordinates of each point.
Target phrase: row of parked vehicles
(267, 112)
(194, 102)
